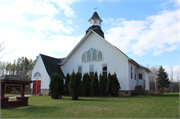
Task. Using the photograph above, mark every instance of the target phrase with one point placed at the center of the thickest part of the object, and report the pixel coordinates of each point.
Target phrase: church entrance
(36, 87)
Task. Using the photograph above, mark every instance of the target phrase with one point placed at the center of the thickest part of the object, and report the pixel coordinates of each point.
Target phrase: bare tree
(152, 77)
(2, 47)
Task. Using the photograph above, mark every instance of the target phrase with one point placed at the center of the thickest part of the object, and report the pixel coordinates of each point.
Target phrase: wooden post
(2, 90)
(22, 90)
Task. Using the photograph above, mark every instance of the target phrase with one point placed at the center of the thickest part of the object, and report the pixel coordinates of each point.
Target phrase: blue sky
(146, 30)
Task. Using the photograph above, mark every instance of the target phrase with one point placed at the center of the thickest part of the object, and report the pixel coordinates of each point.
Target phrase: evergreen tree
(162, 78)
(94, 87)
(86, 81)
(102, 84)
(75, 85)
(56, 86)
(67, 84)
(109, 83)
(115, 85)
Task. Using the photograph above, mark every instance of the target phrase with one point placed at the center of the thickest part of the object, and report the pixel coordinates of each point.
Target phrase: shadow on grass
(34, 109)
(166, 95)
(154, 95)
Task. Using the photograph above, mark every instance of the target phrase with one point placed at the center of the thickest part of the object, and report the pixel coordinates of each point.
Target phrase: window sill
(92, 61)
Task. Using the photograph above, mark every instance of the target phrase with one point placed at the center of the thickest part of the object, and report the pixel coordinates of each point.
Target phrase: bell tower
(95, 24)
(95, 20)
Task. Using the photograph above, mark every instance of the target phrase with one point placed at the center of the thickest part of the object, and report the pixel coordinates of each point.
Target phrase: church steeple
(95, 24)
(95, 20)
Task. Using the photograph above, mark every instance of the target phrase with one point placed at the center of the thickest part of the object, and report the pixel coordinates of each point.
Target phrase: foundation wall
(45, 91)
(124, 93)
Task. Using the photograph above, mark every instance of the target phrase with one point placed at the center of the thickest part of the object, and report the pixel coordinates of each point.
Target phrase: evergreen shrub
(86, 81)
(67, 84)
(75, 85)
(56, 86)
(94, 87)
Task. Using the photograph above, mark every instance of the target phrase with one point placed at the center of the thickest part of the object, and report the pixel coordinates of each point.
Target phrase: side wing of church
(95, 54)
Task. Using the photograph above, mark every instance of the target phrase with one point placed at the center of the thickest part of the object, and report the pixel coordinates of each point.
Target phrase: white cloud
(18, 9)
(125, 33)
(158, 33)
(65, 5)
(49, 24)
(40, 8)
(31, 44)
(176, 3)
(108, 0)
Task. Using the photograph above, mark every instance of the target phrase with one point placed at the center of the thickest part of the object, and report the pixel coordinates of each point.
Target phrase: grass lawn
(140, 106)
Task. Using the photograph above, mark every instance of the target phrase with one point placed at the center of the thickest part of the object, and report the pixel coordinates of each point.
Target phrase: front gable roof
(83, 39)
(51, 66)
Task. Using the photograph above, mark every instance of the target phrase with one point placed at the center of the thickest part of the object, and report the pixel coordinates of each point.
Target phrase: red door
(36, 86)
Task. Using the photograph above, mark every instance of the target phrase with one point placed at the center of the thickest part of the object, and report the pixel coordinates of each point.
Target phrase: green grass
(140, 106)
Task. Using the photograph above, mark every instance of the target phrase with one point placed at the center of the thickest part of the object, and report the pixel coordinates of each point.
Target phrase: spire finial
(95, 8)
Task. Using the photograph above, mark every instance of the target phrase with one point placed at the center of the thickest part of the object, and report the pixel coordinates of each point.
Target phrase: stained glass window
(37, 75)
(94, 55)
(89, 56)
(84, 57)
(100, 56)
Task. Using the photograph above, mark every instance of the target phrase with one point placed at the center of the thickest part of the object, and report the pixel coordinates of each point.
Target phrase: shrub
(102, 84)
(115, 85)
(56, 86)
(94, 88)
(109, 83)
(86, 81)
(67, 84)
(75, 85)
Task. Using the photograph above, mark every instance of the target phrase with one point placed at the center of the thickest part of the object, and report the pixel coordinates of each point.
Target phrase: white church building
(93, 53)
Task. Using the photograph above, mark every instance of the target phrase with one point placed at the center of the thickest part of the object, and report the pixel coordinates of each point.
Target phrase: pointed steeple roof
(95, 16)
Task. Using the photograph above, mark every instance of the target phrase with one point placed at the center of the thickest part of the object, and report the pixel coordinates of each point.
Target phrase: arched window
(84, 57)
(94, 55)
(37, 75)
(89, 56)
(100, 56)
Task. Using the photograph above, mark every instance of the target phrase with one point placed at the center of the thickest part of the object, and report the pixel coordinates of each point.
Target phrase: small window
(135, 73)
(94, 21)
(140, 76)
(131, 73)
(84, 57)
(100, 56)
(91, 68)
(126, 92)
(104, 69)
(89, 56)
(80, 70)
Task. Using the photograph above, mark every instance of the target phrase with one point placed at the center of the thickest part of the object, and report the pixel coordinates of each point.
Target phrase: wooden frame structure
(13, 79)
